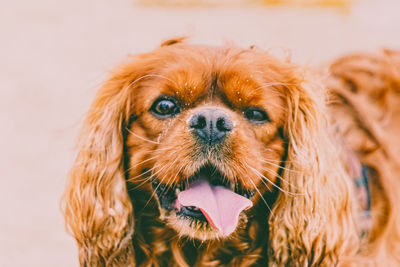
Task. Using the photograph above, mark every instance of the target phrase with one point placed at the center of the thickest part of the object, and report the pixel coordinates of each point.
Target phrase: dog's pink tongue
(220, 205)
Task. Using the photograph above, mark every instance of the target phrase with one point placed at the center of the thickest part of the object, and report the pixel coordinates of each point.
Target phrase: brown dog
(217, 156)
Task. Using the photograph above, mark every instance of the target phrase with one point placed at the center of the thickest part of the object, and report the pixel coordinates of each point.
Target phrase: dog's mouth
(206, 198)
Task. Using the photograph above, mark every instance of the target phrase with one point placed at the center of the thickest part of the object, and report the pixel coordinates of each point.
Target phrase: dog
(196, 155)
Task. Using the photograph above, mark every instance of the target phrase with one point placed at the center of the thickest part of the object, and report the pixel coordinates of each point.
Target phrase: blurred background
(55, 54)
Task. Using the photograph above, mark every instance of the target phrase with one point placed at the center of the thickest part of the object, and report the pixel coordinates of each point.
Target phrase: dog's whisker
(131, 179)
(279, 166)
(155, 189)
(146, 160)
(279, 177)
(276, 160)
(140, 163)
(176, 175)
(151, 158)
(272, 183)
(169, 167)
(264, 183)
(150, 177)
(279, 161)
(142, 138)
(143, 182)
(163, 149)
(261, 196)
(162, 179)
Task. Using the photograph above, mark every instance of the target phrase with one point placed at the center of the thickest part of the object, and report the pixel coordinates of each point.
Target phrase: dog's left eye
(164, 108)
(256, 115)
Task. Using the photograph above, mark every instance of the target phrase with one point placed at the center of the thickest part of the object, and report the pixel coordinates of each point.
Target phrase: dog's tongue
(220, 205)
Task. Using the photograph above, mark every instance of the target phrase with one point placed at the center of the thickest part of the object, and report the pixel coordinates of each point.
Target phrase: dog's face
(206, 134)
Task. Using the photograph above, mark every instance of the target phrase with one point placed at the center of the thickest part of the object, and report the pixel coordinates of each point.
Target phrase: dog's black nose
(211, 125)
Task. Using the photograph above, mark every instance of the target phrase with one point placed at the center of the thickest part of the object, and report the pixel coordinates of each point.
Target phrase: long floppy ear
(97, 207)
(311, 224)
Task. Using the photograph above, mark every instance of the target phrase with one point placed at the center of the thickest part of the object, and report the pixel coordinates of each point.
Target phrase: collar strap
(364, 199)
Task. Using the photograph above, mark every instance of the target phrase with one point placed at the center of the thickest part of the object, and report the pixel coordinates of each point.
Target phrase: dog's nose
(211, 125)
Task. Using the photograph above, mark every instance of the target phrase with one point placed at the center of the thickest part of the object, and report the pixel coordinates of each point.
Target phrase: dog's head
(207, 133)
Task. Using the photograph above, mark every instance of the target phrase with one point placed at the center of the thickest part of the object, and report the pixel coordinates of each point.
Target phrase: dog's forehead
(238, 76)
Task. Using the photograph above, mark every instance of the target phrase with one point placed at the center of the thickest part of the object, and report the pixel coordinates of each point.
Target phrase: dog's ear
(97, 207)
(305, 221)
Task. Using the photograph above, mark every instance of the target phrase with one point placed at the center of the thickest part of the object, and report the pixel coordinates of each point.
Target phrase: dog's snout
(211, 125)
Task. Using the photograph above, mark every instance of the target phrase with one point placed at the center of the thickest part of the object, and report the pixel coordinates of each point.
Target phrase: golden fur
(365, 109)
(305, 210)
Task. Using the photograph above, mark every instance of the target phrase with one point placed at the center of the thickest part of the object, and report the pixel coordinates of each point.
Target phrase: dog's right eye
(256, 115)
(164, 108)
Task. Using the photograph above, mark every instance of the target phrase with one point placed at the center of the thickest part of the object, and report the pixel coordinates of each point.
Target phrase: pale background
(55, 54)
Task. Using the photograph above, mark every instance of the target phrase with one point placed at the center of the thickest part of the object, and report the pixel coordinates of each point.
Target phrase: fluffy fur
(365, 109)
(305, 209)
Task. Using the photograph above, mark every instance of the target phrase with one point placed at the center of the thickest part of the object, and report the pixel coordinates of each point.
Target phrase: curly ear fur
(312, 224)
(97, 207)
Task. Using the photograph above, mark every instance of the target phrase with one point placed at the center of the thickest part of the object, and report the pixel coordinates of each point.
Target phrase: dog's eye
(256, 115)
(164, 108)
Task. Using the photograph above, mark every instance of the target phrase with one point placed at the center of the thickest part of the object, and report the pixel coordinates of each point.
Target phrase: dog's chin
(197, 208)
(196, 229)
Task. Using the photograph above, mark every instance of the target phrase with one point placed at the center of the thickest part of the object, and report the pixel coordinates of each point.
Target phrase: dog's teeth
(177, 191)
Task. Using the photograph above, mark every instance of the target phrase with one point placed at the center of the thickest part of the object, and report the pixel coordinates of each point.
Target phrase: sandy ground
(54, 55)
